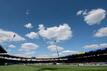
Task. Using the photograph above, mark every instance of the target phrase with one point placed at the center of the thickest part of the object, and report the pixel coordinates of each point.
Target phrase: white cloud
(95, 16)
(62, 32)
(41, 27)
(9, 36)
(28, 47)
(54, 47)
(82, 12)
(47, 56)
(68, 52)
(102, 32)
(103, 45)
(79, 12)
(62, 53)
(96, 46)
(85, 12)
(92, 46)
(12, 46)
(32, 35)
(65, 53)
(29, 26)
(43, 56)
(28, 54)
(25, 54)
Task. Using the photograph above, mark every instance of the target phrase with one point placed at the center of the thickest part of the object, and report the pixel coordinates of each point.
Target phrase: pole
(57, 50)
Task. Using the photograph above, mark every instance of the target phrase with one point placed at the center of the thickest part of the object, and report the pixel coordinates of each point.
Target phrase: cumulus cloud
(28, 47)
(95, 16)
(12, 46)
(54, 47)
(62, 32)
(32, 35)
(9, 36)
(29, 25)
(102, 32)
(96, 46)
(41, 27)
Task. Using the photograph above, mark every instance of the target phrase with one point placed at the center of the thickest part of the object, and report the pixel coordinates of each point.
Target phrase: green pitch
(52, 68)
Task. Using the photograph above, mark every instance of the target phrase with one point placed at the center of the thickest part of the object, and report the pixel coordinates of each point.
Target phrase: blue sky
(15, 14)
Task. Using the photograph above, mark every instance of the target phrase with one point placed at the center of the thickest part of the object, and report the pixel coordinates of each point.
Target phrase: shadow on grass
(47, 69)
(43, 68)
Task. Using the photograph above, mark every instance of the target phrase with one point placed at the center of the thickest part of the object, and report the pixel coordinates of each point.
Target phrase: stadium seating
(92, 56)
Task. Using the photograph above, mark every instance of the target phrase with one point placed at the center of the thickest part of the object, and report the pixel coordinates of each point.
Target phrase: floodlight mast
(56, 49)
(12, 39)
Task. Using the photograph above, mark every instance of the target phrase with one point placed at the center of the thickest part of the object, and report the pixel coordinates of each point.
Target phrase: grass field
(51, 68)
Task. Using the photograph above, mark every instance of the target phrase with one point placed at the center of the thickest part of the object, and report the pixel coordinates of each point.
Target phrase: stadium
(96, 59)
(53, 35)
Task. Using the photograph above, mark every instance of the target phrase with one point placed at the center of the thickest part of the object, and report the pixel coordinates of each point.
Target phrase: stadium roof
(2, 50)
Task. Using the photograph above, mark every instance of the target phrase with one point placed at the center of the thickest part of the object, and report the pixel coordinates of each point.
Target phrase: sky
(37, 27)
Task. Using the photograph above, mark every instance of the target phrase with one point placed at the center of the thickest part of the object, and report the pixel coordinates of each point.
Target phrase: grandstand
(92, 56)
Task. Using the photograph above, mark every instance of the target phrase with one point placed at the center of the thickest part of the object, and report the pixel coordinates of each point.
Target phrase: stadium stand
(92, 56)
